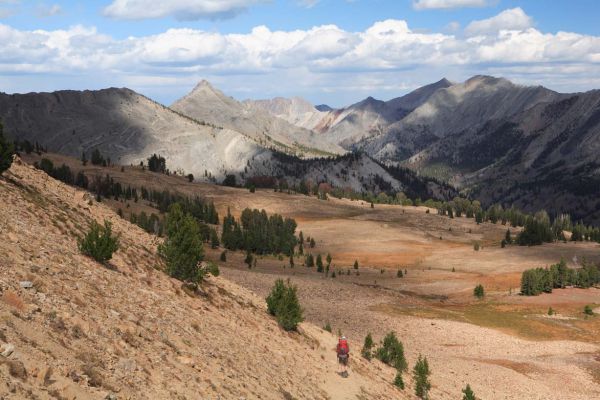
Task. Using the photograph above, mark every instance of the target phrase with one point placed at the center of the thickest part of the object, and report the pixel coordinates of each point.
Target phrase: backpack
(343, 347)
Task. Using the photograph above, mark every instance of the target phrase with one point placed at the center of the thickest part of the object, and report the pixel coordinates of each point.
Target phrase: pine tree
(479, 291)
(224, 256)
(508, 237)
(391, 352)
(312, 243)
(355, 264)
(291, 261)
(328, 259)
(283, 303)
(468, 393)
(310, 261)
(182, 248)
(83, 159)
(421, 377)
(6, 151)
(367, 349)
(319, 263)
(398, 381)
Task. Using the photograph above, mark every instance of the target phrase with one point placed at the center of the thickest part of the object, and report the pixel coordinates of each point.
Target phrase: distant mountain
(296, 110)
(206, 103)
(453, 109)
(488, 137)
(128, 128)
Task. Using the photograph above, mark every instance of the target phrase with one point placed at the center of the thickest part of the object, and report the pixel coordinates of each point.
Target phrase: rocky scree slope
(73, 328)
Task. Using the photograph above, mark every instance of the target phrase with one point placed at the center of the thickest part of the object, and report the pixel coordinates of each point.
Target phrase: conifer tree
(468, 393)
(367, 349)
(6, 151)
(224, 256)
(182, 249)
(355, 264)
(328, 259)
(319, 263)
(421, 377)
(291, 261)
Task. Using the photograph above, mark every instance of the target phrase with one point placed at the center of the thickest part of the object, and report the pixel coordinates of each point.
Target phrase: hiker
(343, 354)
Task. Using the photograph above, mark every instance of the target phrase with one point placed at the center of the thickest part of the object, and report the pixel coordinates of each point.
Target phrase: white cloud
(512, 19)
(49, 11)
(186, 10)
(445, 4)
(323, 59)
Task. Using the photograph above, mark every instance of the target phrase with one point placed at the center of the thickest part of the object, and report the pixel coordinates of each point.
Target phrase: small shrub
(479, 291)
(551, 311)
(99, 243)
(327, 327)
(587, 310)
(398, 381)
(355, 264)
(367, 349)
(399, 274)
(223, 256)
(476, 246)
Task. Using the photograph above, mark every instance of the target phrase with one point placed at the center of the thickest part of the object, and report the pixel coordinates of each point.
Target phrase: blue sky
(329, 51)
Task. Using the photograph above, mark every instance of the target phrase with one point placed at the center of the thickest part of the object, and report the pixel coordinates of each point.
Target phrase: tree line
(543, 280)
(257, 232)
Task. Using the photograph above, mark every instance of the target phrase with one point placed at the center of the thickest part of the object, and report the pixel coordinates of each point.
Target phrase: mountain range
(487, 137)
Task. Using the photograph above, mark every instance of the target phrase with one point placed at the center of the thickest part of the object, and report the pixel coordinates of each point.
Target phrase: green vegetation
(99, 243)
(391, 352)
(6, 151)
(479, 292)
(327, 327)
(587, 310)
(98, 159)
(157, 163)
(283, 303)
(319, 264)
(538, 280)
(259, 233)
(421, 374)
(398, 381)
(182, 248)
(468, 393)
(367, 349)
(355, 264)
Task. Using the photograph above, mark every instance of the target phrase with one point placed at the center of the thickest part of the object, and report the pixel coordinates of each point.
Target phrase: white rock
(7, 350)
(26, 284)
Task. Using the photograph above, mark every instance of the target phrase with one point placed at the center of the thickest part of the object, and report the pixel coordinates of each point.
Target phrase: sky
(334, 52)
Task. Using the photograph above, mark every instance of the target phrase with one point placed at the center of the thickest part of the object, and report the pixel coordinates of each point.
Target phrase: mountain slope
(209, 104)
(371, 117)
(84, 331)
(295, 110)
(449, 111)
(127, 127)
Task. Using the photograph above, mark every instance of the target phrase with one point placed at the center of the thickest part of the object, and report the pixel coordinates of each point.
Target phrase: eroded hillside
(73, 328)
